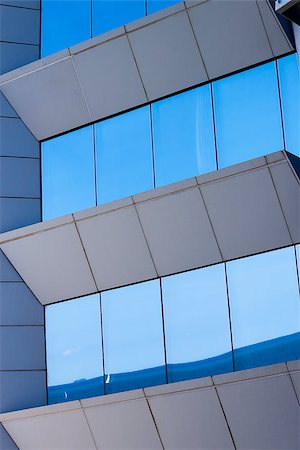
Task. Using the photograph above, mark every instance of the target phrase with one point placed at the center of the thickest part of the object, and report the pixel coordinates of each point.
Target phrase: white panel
(178, 232)
(191, 420)
(116, 248)
(62, 431)
(52, 263)
(48, 100)
(263, 413)
(288, 190)
(246, 214)
(167, 56)
(230, 35)
(126, 425)
(109, 78)
(277, 38)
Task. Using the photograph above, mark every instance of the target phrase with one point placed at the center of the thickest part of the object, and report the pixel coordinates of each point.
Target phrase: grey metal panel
(20, 25)
(191, 420)
(287, 187)
(7, 271)
(64, 431)
(22, 389)
(167, 56)
(6, 110)
(18, 212)
(178, 231)
(6, 442)
(16, 55)
(20, 177)
(262, 413)
(246, 214)
(116, 248)
(22, 348)
(17, 140)
(50, 98)
(70, 278)
(296, 382)
(109, 78)
(230, 35)
(277, 39)
(124, 425)
(18, 306)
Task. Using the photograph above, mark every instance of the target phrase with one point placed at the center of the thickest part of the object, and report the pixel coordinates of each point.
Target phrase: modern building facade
(150, 220)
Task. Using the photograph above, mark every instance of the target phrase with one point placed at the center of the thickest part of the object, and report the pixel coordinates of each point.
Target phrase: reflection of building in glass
(166, 152)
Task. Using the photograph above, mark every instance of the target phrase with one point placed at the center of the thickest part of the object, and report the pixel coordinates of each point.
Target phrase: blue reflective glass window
(133, 337)
(64, 23)
(68, 173)
(74, 350)
(247, 112)
(183, 136)
(265, 308)
(124, 155)
(197, 324)
(289, 76)
(156, 5)
(110, 14)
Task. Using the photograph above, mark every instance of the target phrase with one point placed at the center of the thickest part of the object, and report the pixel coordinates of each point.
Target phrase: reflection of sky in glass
(183, 136)
(289, 76)
(132, 328)
(124, 155)
(248, 122)
(68, 173)
(64, 23)
(264, 297)
(73, 339)
(196, 315)
(156, 5)
(110, 14)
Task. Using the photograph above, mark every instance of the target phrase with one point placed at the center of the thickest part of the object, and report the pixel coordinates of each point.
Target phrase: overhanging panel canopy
(234, 212)
(179, 47)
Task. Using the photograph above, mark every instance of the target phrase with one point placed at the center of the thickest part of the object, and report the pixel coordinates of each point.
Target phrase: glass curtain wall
(233, 316)
(234, 119)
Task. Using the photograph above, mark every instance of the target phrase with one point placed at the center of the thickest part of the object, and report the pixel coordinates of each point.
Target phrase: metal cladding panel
(25, 28)
(6, 109)
(164, 53)
(16, 55)
(7, 271)
(18, 212)
(19, 306)
(20, 177)
(168, 56)
(6, 441)
(242, 211)
(16, 139)
(253, 409)
(109, 78)
(125, 425)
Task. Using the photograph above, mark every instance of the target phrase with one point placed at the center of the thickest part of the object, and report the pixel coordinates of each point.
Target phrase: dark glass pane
(247, 111)
(197, 324)
(289, 76)
(110, 14)
(133, 337)
(124, 155)
(183, 136)
(68, 173)
(265, 309)
(64, 23)
(74, 351)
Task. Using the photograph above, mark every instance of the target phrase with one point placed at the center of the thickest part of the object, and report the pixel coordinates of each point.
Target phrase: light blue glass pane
(265, 308)
(247, 111)
(64, 23)
(133, 337)
(183, 136)
(110, 14)
(289, 76)
(68, 173)
(124, 155)
(74, 350)
(156, 5)
(197, 324)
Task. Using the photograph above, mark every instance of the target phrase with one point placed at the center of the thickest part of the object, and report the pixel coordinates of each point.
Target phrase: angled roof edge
(122, 69)
(238, 211)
